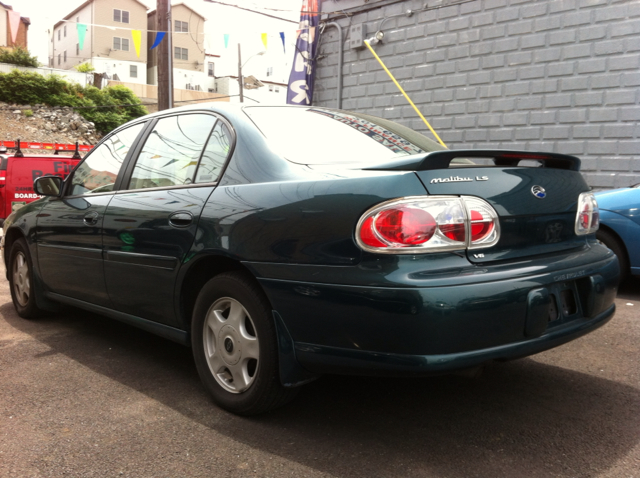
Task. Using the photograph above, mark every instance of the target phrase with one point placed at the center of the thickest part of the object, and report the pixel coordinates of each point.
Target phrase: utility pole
(162, 56)
(240, 80)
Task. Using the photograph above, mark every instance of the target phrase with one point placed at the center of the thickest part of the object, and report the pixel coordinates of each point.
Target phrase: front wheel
(21, 281)
(235, 346)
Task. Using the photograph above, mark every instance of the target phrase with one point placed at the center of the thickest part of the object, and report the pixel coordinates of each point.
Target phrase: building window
(277, 89)
(59, 56)
(211, 69)
(65, 56)
(270, 71)
(65, 31)
(77, 48)
(133, 71)
(58, 35)
(180, 53)
(77, 19)
(270, 87)
(181, 27)
(120, 16)
(120, 43)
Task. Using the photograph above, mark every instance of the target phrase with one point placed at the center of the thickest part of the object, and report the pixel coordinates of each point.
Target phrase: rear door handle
(91, 218)
(180, 219)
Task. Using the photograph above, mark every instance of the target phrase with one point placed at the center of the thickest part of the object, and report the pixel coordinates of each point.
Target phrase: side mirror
(48, 185)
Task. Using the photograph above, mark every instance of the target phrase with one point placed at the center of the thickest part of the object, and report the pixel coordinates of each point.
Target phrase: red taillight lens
(455, 232)
(428, 224)
(481, 226)
(406, 226)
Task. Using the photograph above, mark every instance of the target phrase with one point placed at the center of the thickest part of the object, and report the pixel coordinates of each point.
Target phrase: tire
(612, 241)
(235, 348)
(21, 281)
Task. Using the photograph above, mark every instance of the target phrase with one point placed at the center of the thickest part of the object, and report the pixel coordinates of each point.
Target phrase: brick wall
(551, 75)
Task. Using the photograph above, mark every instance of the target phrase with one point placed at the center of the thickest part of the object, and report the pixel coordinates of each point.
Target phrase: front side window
(98, 172)
(172, 151)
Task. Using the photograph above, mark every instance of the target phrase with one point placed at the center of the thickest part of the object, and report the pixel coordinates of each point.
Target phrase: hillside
(46, 125)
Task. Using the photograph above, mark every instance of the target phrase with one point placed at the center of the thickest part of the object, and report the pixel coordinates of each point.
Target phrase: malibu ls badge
(458, 179)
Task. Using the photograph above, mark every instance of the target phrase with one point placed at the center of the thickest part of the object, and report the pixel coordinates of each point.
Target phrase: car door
(151, 223)
(69, 228)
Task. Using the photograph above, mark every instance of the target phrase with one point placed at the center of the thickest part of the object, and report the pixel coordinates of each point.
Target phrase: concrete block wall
(548, 75)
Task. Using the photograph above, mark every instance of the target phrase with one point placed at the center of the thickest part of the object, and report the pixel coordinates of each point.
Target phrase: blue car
(620, 226)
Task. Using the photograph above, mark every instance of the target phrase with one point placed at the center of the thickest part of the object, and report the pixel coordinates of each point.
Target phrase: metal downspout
(340, 62)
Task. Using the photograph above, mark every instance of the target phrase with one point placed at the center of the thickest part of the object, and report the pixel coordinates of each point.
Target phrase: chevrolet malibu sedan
(283, 243)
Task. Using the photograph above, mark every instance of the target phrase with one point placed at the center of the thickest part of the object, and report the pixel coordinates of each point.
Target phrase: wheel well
(12, 236)
(617, 237)
(199, 274)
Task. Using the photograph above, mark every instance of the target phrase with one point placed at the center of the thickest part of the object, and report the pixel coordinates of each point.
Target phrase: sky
(242, 26)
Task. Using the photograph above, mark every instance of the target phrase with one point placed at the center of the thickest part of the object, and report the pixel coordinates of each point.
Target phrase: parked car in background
(285, 242)
(18, 171)
(620, 226)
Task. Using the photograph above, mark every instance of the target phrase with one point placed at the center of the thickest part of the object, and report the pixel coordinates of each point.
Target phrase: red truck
(18, 171)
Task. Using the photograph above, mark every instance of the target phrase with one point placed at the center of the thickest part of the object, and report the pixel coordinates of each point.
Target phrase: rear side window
(98, 172)
(172, 151)
(215, 154)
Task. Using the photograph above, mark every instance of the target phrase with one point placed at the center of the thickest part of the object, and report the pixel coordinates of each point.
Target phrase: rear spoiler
(442, 159)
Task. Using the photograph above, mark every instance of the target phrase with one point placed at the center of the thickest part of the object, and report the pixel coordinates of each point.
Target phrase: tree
(19, 56)
(85, 67)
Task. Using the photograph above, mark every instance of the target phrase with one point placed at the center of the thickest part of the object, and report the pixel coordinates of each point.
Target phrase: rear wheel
(21, 281)
(235, 346)
(613, 242)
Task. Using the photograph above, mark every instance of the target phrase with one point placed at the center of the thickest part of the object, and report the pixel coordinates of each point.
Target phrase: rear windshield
(321, 136)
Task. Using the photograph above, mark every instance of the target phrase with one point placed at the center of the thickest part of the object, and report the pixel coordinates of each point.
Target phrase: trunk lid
(536, 205)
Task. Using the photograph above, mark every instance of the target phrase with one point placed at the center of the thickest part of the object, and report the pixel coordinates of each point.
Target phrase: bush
(28, 113)
(106, 108)
(19, 56)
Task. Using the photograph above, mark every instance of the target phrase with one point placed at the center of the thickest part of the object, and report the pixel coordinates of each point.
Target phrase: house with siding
(190, 71)
(6, 37)
(108, 43)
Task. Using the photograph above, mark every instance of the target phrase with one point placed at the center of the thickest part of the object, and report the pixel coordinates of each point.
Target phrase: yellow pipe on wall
(366, 42)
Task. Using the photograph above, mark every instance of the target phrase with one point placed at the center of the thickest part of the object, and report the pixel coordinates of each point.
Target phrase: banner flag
(159, 37)
(264, 40)
(14, 23)
(300, 90)
(82, 30)
(136, 35)
(282, 38)
(226, 40)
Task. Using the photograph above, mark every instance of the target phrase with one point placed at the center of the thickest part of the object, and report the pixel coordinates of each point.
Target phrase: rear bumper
(450, 321)
(320, 360)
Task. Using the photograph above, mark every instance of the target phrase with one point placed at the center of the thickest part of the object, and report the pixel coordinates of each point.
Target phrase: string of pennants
(136, 36)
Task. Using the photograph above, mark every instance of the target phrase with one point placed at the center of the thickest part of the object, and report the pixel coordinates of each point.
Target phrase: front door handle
(91, 218)
(180, 219)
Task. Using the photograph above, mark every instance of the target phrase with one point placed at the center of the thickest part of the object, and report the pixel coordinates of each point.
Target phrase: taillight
(428, 224)
(588, 215)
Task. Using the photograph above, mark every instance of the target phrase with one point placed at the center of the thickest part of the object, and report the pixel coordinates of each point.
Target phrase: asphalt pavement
(84, 396)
